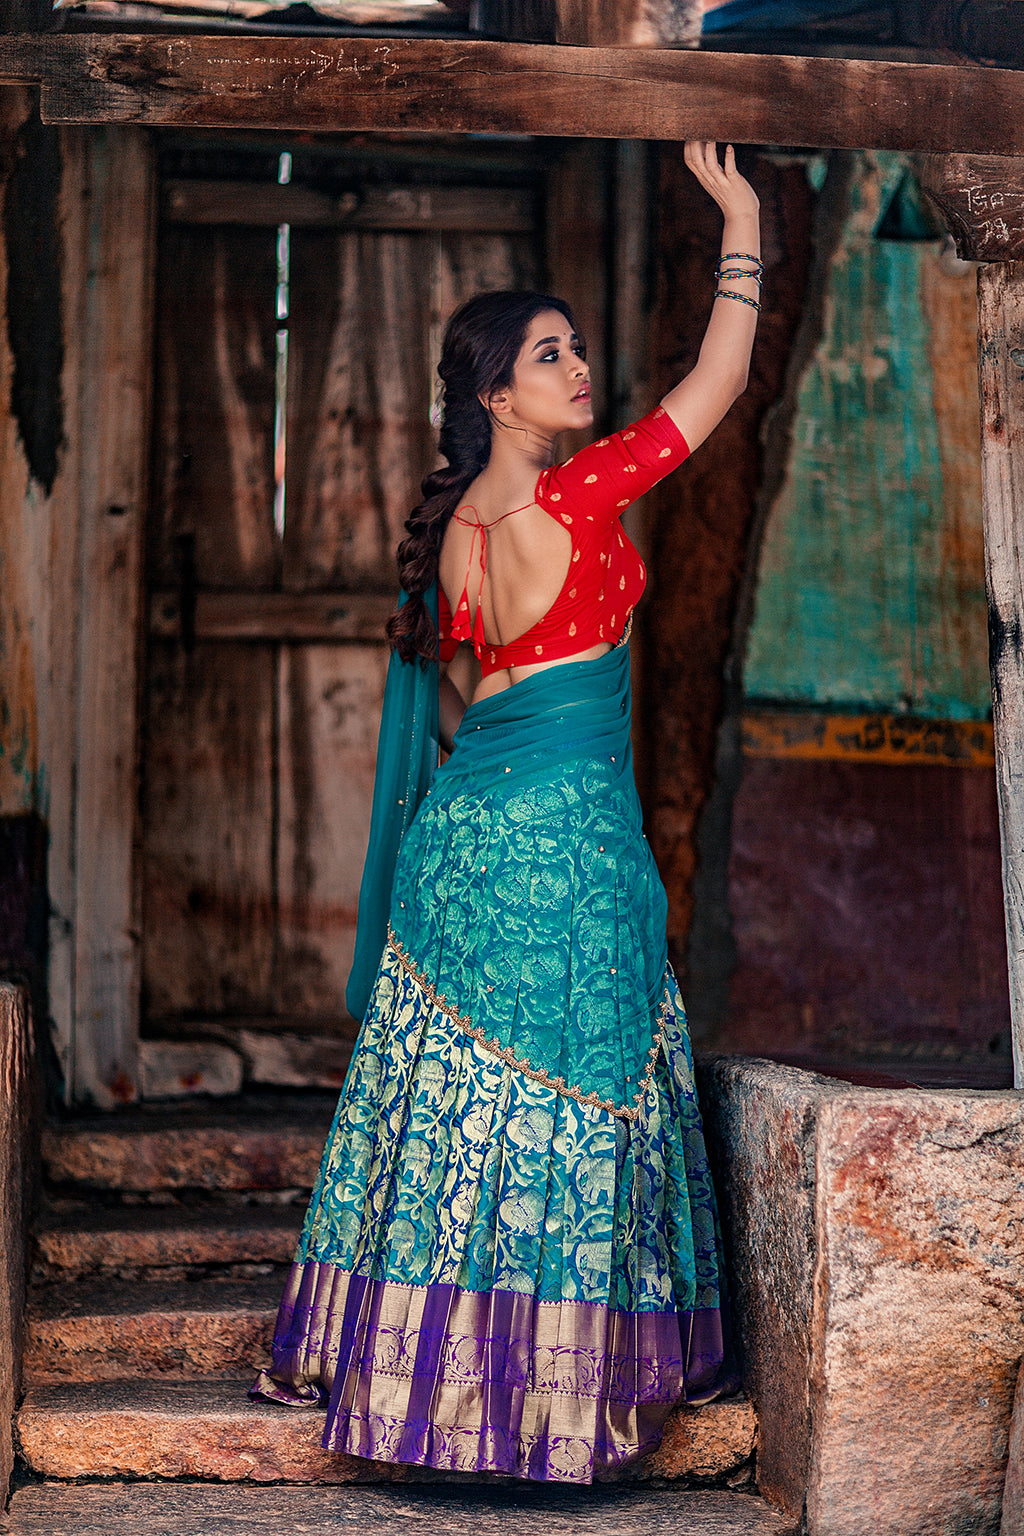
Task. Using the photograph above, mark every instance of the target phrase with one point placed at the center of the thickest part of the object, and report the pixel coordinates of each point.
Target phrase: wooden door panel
(465, 264)
(261, 731)
(359, 429)
(329, 704)
(214, 430)
(208, 814)
(367, 315)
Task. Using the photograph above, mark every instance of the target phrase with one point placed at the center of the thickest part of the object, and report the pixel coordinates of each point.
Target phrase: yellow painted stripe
(867, 738)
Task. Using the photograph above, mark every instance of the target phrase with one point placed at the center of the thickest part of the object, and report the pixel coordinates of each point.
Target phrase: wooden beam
(981, 199)
(629, 23)
(484, 210)
(1001, 378)
(439, 85)
(272, 617)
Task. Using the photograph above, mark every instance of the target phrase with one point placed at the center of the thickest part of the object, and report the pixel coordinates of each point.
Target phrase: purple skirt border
(486, 1381)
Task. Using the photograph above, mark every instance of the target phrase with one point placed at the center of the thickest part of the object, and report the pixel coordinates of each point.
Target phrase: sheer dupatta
(407, 756)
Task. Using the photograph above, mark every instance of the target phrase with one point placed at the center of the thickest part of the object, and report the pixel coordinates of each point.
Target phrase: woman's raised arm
(699, 402)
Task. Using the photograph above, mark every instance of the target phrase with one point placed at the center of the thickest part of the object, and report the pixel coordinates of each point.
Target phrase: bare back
(528, 555)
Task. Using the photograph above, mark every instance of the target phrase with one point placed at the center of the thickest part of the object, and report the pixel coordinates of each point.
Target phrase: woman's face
(550, 391)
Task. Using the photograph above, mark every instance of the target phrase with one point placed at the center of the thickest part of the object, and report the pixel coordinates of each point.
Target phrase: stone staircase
(158, 1264)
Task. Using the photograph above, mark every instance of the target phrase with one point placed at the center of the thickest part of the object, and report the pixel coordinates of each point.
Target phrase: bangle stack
(724, 272)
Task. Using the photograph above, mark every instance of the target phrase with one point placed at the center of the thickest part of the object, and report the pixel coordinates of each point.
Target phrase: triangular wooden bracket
(981, 201)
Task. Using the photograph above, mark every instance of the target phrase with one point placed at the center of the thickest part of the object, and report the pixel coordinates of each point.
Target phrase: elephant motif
(403, 1242)
(431, 1081)
(593, 1261)
(417, 1160)
(596, 1177)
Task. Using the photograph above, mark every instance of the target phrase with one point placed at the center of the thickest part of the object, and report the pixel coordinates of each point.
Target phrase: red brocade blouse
(606, 577)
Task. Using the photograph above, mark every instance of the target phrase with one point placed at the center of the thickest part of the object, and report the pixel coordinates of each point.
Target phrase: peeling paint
(871, 589)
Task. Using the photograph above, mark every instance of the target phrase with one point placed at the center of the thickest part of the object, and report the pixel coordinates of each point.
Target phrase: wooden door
(271, 571)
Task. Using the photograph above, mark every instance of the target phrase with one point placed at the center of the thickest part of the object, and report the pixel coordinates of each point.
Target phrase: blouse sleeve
(601, 480)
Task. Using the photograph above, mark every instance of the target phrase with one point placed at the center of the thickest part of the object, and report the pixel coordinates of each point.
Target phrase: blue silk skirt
(511, 1259)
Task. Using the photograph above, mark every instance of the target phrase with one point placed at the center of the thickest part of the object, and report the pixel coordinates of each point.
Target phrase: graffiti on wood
(981, 199)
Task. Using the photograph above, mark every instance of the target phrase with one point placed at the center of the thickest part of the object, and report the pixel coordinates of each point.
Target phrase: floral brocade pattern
(446, 1166)
(511, 1259)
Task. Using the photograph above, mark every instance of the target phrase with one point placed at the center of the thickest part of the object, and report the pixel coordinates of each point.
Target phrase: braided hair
(482, 341)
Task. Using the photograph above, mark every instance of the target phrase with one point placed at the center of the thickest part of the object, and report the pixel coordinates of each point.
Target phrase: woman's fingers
(723, 182)
(701, 155)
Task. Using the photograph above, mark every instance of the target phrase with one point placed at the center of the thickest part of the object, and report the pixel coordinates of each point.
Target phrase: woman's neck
(518, 454)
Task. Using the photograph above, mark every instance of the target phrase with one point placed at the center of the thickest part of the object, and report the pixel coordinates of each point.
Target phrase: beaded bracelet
(741, 298)
(742, 256)
(738, 272)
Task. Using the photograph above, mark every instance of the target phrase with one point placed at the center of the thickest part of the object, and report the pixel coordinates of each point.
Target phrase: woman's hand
(699, 402)
(731, 191)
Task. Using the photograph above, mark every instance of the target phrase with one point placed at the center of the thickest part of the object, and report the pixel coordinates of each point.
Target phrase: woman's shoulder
(607, 475)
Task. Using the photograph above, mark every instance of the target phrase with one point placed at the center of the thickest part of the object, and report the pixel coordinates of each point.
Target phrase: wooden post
(982, 200)
(109, 416)
(1001, 380)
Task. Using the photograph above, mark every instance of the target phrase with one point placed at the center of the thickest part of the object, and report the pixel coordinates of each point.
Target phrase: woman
(511, 1258)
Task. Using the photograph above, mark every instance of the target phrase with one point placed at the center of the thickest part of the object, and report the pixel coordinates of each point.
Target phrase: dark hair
(482, 340)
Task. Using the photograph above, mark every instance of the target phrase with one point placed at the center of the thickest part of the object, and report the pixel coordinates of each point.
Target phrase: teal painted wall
(871, 582)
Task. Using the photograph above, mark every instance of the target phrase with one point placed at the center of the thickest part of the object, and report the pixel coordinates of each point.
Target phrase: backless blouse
(606, 577)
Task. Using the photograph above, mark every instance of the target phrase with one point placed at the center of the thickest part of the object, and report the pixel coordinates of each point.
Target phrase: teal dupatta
(407, 753)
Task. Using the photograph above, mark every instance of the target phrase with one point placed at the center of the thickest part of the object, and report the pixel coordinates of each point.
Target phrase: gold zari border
(522, 1064)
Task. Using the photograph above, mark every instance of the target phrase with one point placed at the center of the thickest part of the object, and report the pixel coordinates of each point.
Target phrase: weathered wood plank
(1001, 378)
(359, 439)
(366, 310)
(213, 485)
(484, 210)
(329, 704)
(577, 231)
(629, 23)
(981, 199)
(440, 85)
(114, 392)
(208, 817)
(321, 617)
(62, 576)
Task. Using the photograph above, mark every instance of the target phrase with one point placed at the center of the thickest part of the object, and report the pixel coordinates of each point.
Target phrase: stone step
(531, 1509)
(174, 1240)
(211, 1431)
(260, 1142)
(110, 1331)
